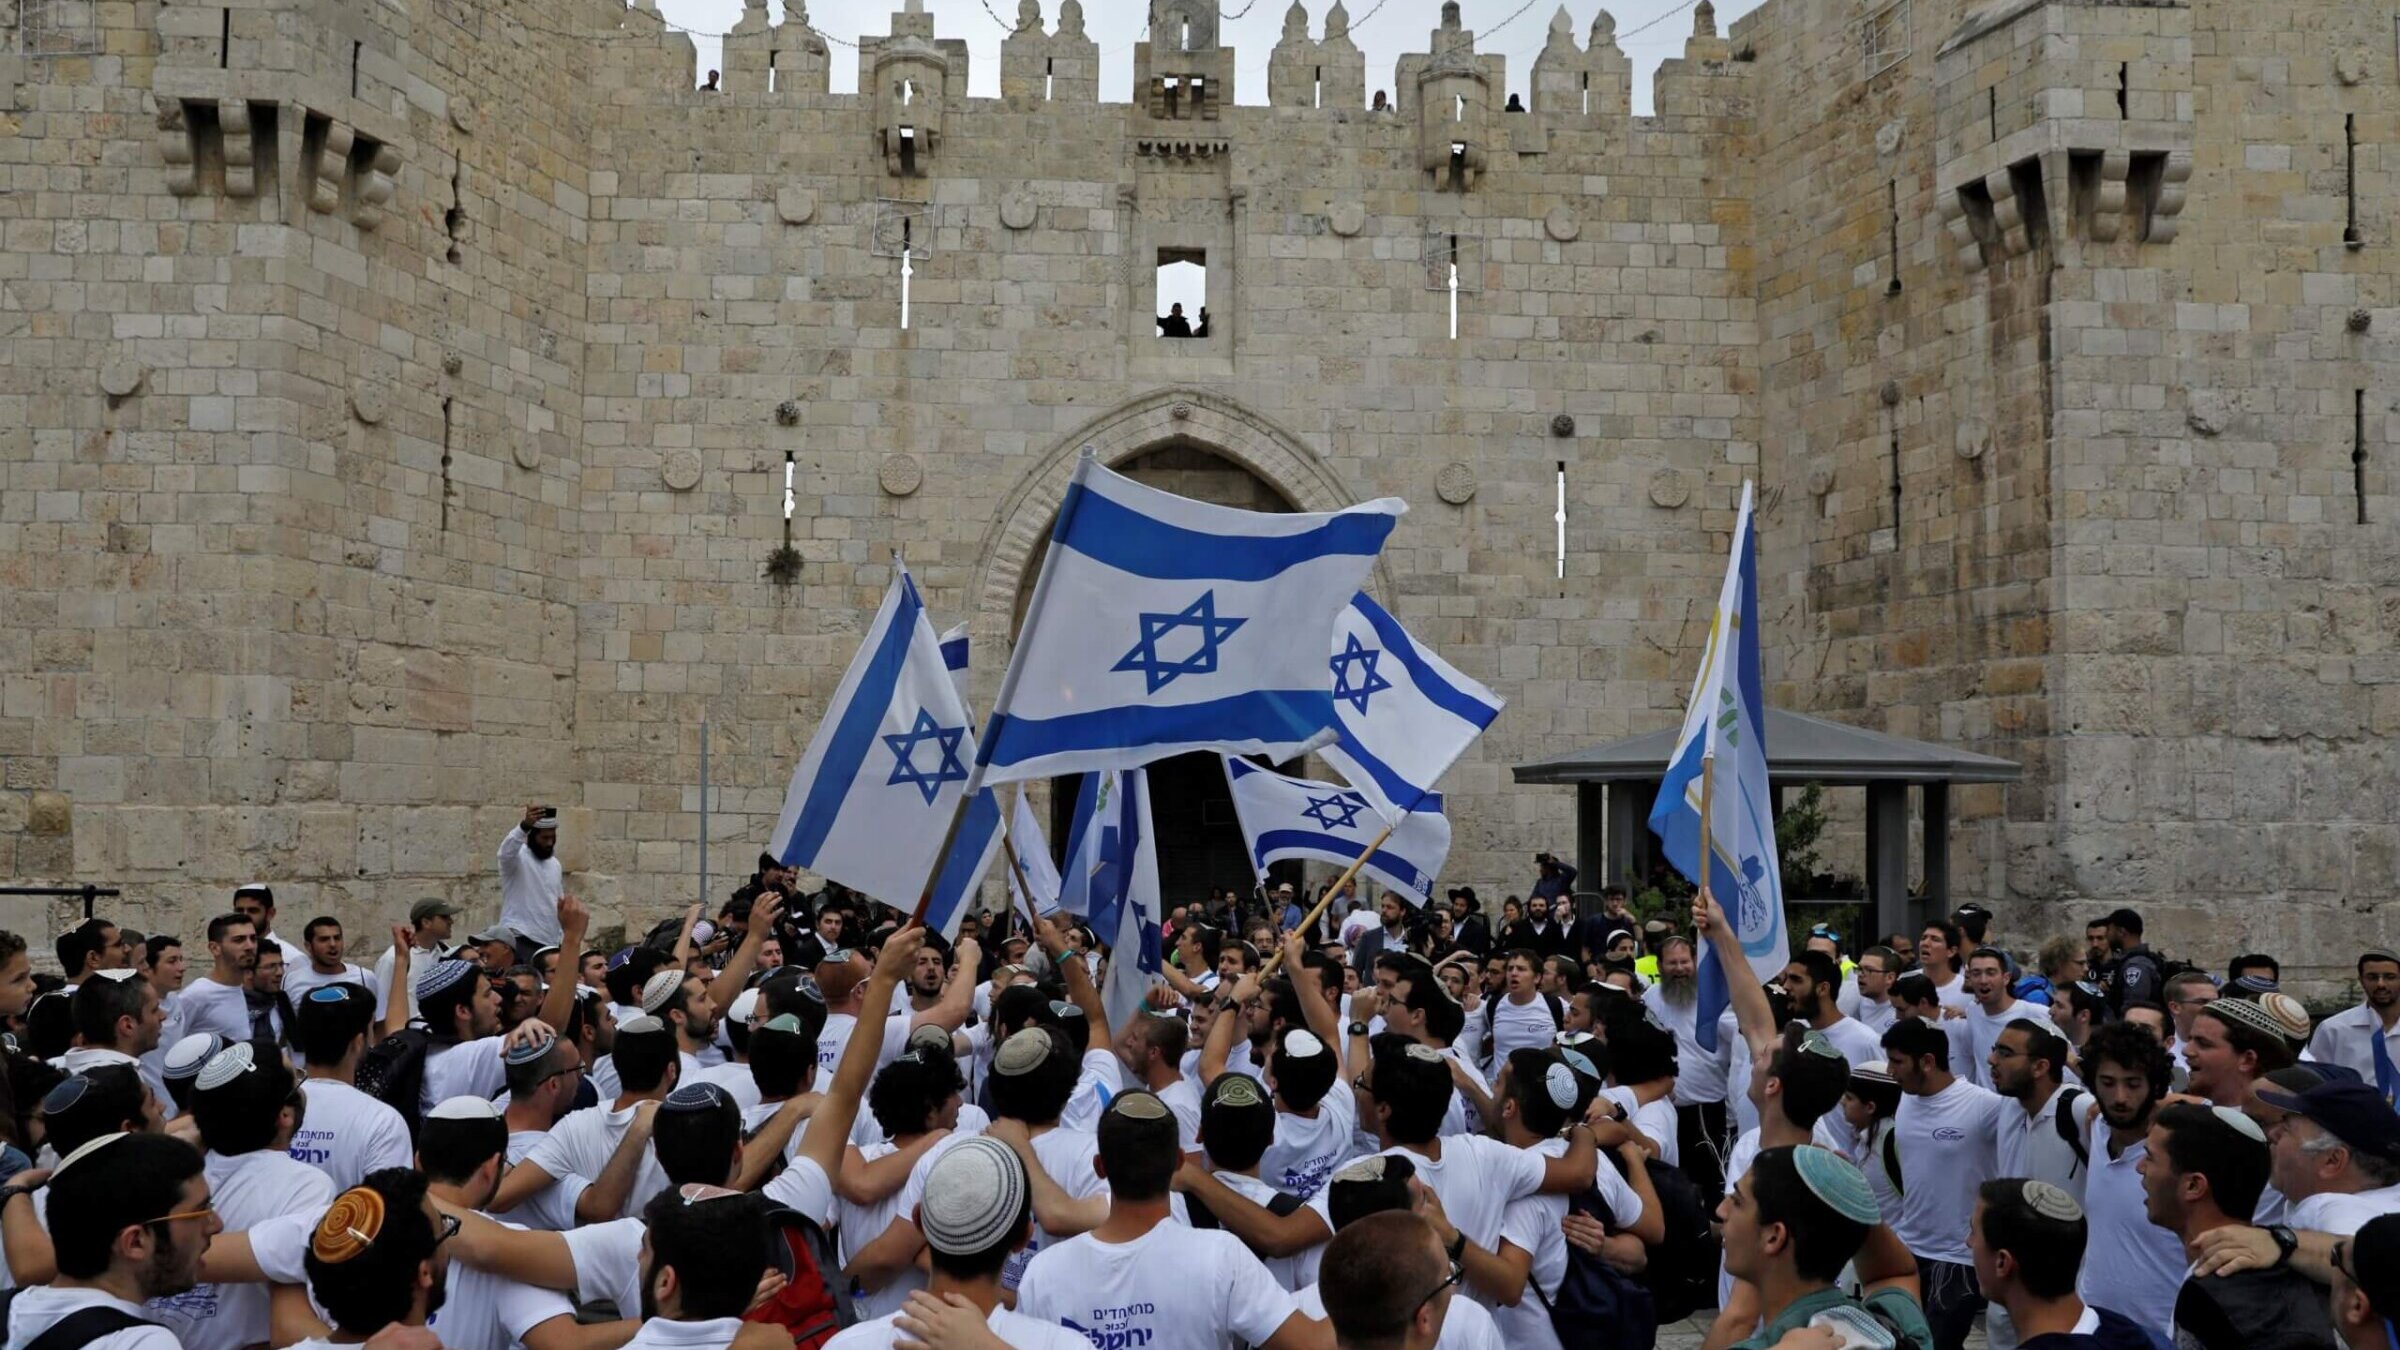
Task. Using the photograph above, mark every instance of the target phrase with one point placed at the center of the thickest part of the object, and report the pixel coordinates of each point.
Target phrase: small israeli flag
(1726, 719)
(979, 835)
(873, 798)
(1161, 625)
(1284, 817)
(1111, 879)
(1033, 861)
(1406, 715)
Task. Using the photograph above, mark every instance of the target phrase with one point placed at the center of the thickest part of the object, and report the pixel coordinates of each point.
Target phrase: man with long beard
(531, 878)
(1699, 1073)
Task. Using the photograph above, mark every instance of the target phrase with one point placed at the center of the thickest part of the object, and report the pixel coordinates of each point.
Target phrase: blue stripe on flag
(1115, 535)
(1403, 794)
(960, 874)
(1388, 862)
(853, 737)
(954, 654)
(1266, 715)
(1437, 691)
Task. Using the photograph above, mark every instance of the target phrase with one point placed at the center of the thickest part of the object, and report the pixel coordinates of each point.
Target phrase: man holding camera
(531, 880)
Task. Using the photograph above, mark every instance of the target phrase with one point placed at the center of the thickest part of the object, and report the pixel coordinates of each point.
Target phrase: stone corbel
(375, 188)
(241, 168)
(175, 147)
(2174, 185)
(2108, 212)
(2008, 214)
(332, 165)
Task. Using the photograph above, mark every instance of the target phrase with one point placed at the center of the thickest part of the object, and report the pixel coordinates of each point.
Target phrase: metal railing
(89, 894)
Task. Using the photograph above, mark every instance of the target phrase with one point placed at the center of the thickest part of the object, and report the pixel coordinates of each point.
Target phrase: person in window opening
(711, 86)
(1200, 329)
(1174, 325)
(1516, 103)
(1383, 101)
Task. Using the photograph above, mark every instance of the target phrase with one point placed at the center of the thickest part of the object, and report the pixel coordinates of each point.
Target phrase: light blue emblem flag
(1284, 817)
(1161, 625)
(1111, 880)
(1406, 715)
(874, 796)
(1725, 722)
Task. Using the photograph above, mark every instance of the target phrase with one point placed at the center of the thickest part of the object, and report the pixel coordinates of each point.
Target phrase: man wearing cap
(345, 1133)
(494, 948)
(462, 1010)
(216, 1002)
(429, 934)
(974, 1211)
(2336, 1151)
(324, 964)
(2029, 1238)
(2366, 1039)
(1792, 1223)
(2203, 1170)
(129, 1217)
(256, 902)
(1141, 1279)
(531, 878)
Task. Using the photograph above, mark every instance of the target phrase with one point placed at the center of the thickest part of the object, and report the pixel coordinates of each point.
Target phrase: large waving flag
(1111, 879)
(1161, 625)
(1726, 719)
(873, 798)
(1406, 715)
(1285, 817)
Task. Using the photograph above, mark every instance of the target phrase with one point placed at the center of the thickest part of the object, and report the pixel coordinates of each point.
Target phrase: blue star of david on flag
(1160, 671)
(1357, 658)
(947, 769)
(1337, 812)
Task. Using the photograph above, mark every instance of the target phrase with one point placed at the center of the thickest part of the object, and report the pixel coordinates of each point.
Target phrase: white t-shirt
(582, 1142)
(1067, 1155)
(1532, 1226)
(1949, 1146)
(805, 1189)
(1656, 1121)
(552, 1208)
(1519, 1026)
(2342, 1215)
(1878, 1017)
(248, 1189)
(1172, 1288)
(484, 1311)
(1460, 1117)
(1014, 1329)
(2131, 1266)
(835, 1038)
(1307, 1150)
(41, 1307)
(858, 1225)
(529, 889)
(660, 1334)
(205, 1005)
(1294, 1272)
(1466, 1326)
(1477, 1178)
(1983, 1032)
(1181, 1098)
(467, 1069)
(346, 1134)
(302, 976)
(1953, 994)
(2031, 1146)
(1699, 1072)
(1859, 1043)
(608, 1263)
(734, 1078)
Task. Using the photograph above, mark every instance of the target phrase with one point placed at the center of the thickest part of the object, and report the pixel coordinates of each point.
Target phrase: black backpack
(1682, 1275)
(2070, 1129)
(1597, 1307)
(392, 1071)
(75, 1330)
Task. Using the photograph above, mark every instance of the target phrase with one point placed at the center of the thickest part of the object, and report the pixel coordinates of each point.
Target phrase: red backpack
(814, 1302)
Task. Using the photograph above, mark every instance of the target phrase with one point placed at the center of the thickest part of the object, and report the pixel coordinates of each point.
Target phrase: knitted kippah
(659, 988)
(2291, 1018)
(1236, 1089)
(1138, 1105)
(1837, 1181)
(640, 1026)
(1559, 1080)
(973, 1196)
(443, 974)
(2236, 1012)
(2050, 1202)
(2239, 1122)
(694, 1097)
(226, 1065)
(1022, 1053)
(464, 1108)
(744, 1004)
(185, 1057)
(528, 1049)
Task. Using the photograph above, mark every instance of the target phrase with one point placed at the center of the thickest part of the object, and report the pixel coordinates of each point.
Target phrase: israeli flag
(1285, 817)
(1161, 625)
(1033, 861)
(1726, 719)
(956, 890)
(1405, 714)
(873, 798)
(1111, 880)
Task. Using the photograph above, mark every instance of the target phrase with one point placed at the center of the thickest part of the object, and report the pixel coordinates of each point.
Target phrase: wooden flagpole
(1327, 899)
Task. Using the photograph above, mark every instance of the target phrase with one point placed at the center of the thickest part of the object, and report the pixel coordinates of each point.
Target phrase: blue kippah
(442, 975)
(1838, 1182)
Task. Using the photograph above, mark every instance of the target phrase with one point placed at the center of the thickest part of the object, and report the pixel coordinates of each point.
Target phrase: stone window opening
(908, 269)
(1560, 518)
(1458, 166)
(908, 154)
(1185, 41)
(1181, 310)
(2124, 87)
(1316, 88)
(225, 38)
(1587, 93)
(1174, 93)
(1893, 287)
(2351, 238)
(2145, 181)
(1458, 108)
(2358, 451)
(1454, 296)
(791, 499)
(1049, 77)
(771, 70)
(908, 92)
(455, 219)
(356, 49)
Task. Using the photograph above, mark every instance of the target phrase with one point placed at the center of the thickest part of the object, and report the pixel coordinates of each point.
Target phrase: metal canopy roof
(1799, 748)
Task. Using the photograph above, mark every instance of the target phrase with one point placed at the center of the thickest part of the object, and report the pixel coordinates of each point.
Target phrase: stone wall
(396, 403)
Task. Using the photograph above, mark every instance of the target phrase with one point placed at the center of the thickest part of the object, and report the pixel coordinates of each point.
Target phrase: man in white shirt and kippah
(531, 878)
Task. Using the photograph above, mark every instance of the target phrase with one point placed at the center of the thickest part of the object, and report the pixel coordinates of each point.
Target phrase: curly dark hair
(2130, 1045)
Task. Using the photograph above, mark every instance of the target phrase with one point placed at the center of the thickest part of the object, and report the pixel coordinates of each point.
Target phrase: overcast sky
(1383, 31)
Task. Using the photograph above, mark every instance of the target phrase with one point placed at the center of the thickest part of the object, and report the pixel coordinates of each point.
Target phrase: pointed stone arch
(1198, 418)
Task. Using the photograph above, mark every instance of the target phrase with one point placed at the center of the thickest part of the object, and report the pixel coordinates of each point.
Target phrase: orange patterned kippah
(349, 1227)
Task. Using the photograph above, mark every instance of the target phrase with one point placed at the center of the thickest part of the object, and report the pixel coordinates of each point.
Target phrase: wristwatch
(12, 1191)
(2286, 1242)
(1358, 1028)
(1458, 1246)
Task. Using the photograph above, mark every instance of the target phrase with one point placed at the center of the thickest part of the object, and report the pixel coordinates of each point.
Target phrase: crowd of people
(802, 1121)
